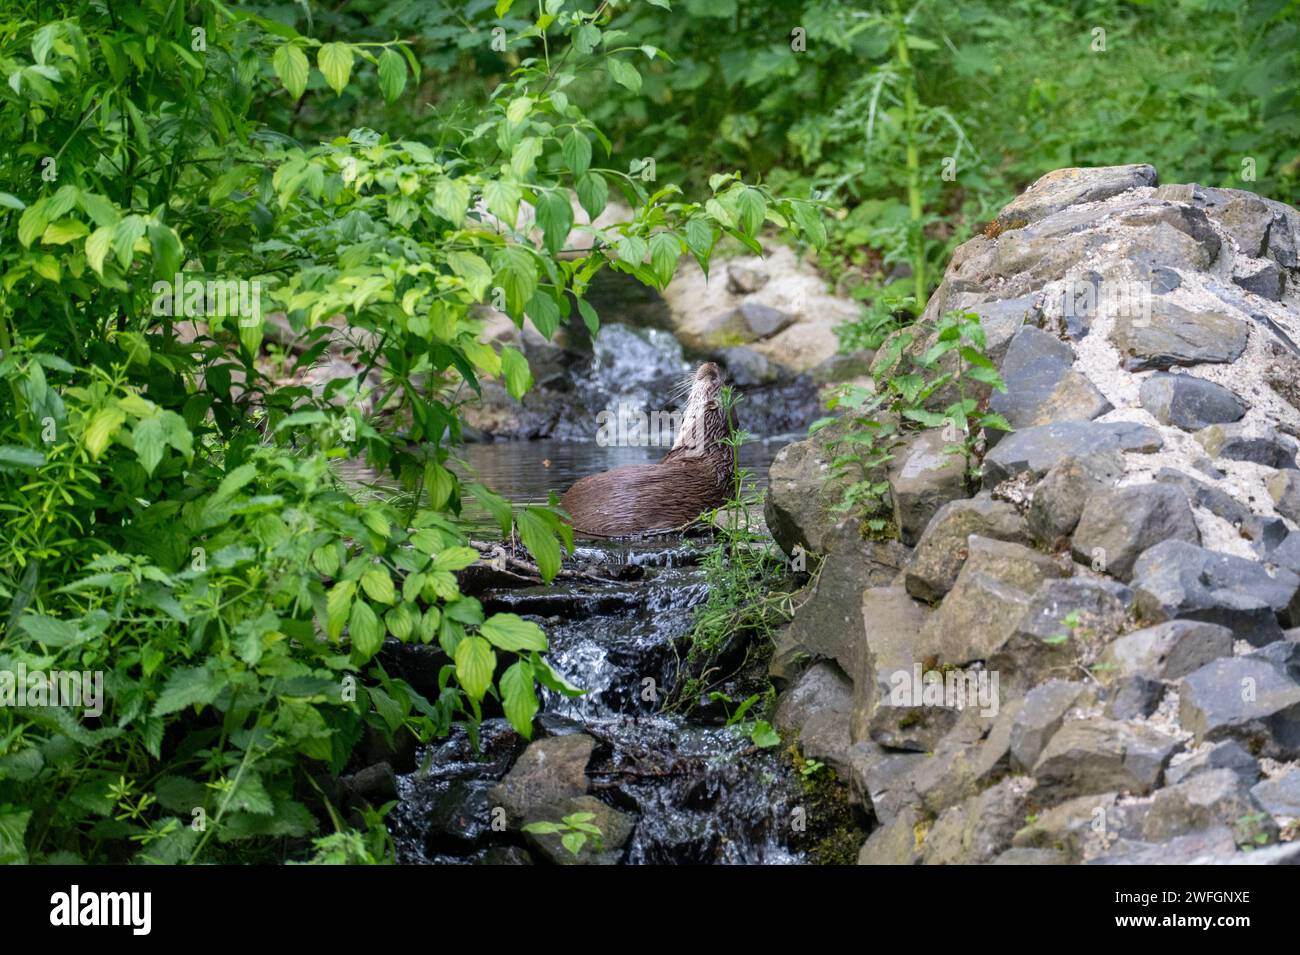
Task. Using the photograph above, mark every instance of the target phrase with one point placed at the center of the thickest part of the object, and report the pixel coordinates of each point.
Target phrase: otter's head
(704, 423)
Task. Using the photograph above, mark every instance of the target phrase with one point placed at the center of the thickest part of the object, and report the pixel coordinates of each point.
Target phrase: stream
(698, 790)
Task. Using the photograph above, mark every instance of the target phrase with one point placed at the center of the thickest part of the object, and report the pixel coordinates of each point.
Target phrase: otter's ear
(712, 405)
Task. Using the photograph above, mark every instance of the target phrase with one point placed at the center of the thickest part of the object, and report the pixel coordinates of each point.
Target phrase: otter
(695, 476)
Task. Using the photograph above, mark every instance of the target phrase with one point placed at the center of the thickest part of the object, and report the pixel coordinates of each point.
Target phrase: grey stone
(1287, 553)
(1003, 319)
(1168, 650)
(817, 709)
(547, 774)
(1247, 219)
(941, 550)
(1243, 442)
(1179, 218)
(744, 277)
(981, 828)
(1078, 304)
(607, 849)
(1208, 800)
(747, 368)
(1172, 335)
(1119, 523)
(922, 478)
(1038, 449)
(893, 843)
(881, 780)
(1283, 654)
(1067, 187)
(1134, 697)
(1188, 402)
(1071, 826)
(751, 321)
(1060, 496)
(1288, 853)
(1041, 388)
(1261, 277)
(1032, 857)
(799, 506)
(1097, 756)
(1228, 754)
(1181, 850)
(1175, 580)
(1284, 489)
(1039, 718)
(1249, 700)
(1280, 795)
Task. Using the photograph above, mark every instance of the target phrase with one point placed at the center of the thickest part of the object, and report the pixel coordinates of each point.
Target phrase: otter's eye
(713, 405)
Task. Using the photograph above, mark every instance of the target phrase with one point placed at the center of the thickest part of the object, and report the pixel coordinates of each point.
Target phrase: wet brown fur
(694, 477)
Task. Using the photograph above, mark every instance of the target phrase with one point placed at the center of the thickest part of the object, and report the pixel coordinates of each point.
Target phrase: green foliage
(173, 518)
(574, 831)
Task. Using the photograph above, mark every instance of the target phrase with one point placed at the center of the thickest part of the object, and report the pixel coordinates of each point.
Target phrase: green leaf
(624, 74)
(495, 504)
(32, 223)
(456, 558)
(101, 429)
(187, 686)
(541, 542)
(763, 736)
(544, 312)
(589, 316)
(97, 246)
(555, 216)
(752, 207)
(519, 698)
(512, 632)
(392, 74)
(50, 630)
(632, 249)
(339, 606)
(593, 193)
(335, 62)
(378, 585)
(502, 199)
(665, 250)
(15, 456)
(514, 367)
(365, 630)
(125, 235)
(148, 441)
(576, 150)
(13, 832)
(451, 200)
(476, 661)
(503, 7)
(290, 65)
(476, 274)
(63, 232)
(809, 219)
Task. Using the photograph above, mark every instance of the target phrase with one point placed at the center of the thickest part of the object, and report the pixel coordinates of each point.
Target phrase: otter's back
(645, 498)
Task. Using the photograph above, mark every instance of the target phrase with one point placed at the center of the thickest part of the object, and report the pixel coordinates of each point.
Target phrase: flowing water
(698, 790)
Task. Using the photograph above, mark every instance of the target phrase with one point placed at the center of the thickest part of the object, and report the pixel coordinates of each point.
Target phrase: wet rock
(1118, 524)
(817, 709)
(374, 784)
(1038, 449)
(460, 816)
(979, 829)
(1039, 718)
(801, 495)
(1097, 756)
(1189, 403)
(1244, 442)
(1032, 857)
(1067, 187)
(1059, 498)
(1208, 800)
(1280, 795)
(1284, 488)
(1040, 385)
(1063, 628)
(1168, 650)
(1229, 755)
(746, 276)
(1175, 580)
(923, 477)
(1249, 700)
(547, 774)
(1134, 697)
(1172, 335)
(941, 550)
(607, 849)
(1260, 277)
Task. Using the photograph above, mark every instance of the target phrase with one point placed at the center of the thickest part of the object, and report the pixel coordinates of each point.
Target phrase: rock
(1063, 627)
(893, 623)
(988, 600)
(1168, 650)
(881, 780)
(1171, 222)
(1208, 800)
(747, 368)
(1038, 449)
(750, 321)
(922, 478)
(1284, 488)
(1096, 756)
(1060, 496)
(1181, 850)
(1067, 187)
(829, 623)
(607, 849)
(1120, 523)
(1189, 403)
(979, 829)
(893, 843)
(798, 506)
(966, 760)
(1280, 795)
(1175, 580)
(818, 709)
(1133, 698)
(1077, 827)
(1249, 700)
(1041, 388)
(1032, 857)
(1288, 853)
(460, 816)
(1287, 554)
(1039, 718)
(941, 550)
(1260, 277)
(746, 276)
(1001, 321)
(1172, 335)
(375, 784)
(1244, 442)
(1247, 219)
(548, 774)
(1228, 754)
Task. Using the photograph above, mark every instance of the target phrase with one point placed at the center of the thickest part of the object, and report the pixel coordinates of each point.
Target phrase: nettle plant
(907, 387)
(172, 514)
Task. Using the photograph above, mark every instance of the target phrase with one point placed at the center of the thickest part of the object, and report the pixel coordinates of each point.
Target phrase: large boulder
(1118, 524)
(941, 550)
(1089, 756)
(924, 475)
(802, 494)
(1243, 698)
(1035, 451)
